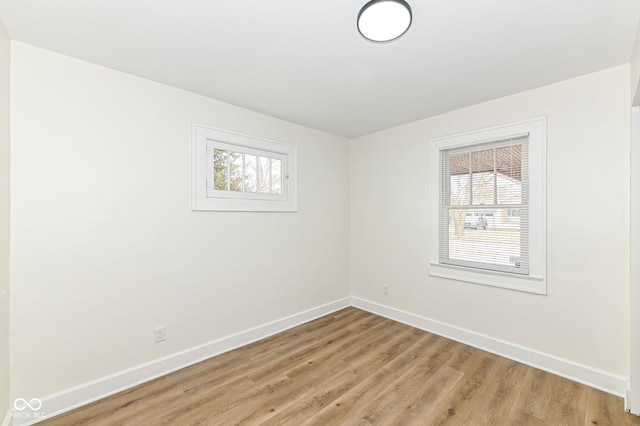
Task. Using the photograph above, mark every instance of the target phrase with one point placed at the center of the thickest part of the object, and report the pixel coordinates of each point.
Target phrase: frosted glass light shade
(384, 20)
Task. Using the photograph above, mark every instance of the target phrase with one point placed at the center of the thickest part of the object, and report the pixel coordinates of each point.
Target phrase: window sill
(240, 205)
(527, 283)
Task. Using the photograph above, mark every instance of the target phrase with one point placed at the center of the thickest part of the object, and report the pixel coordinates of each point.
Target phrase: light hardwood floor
(356, 368)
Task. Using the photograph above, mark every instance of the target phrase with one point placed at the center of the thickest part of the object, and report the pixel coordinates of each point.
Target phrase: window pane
(482, 168)
(509, 166)
(264, 175)
(483, 188)
(485, 236)
(276, 176)
(235, 171)
(250, 173)
(482, 161)
(220, 161)
(459, 164)
(459, 182)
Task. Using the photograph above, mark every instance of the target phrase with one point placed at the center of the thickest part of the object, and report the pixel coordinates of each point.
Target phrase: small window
(239, 172)
(235, 172)
(488, 215)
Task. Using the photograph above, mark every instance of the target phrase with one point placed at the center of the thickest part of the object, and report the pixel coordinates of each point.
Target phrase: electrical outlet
(159, 334)
(386, 290)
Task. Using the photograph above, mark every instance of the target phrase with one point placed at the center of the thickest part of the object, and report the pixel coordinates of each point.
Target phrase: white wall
(585, 316)
(104, 243)
(5, 50)
(635, 70)
(633, 398)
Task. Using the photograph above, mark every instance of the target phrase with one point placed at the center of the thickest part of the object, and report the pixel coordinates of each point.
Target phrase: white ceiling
(304, 61)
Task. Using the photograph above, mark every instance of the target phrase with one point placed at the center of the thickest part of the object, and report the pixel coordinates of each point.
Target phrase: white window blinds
(484, 212)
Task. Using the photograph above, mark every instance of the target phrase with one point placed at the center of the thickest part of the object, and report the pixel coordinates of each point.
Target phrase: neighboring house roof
(508, 161)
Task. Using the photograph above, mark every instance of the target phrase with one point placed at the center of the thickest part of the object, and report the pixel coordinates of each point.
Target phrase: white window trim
(535, 281)
(204, 136)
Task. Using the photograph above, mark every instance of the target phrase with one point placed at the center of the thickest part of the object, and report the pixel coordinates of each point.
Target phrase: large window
(481, 185)
(488, 215)
(242, 173)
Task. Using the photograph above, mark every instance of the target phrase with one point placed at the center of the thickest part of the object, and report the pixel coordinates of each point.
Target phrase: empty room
(390, 212)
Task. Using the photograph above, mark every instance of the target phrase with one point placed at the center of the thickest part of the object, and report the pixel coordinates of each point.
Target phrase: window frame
(204, 197)
(535, 281)
(489, 208)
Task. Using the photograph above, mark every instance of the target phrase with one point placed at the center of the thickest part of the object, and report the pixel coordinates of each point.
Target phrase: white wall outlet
(386, 290)
(159, 334)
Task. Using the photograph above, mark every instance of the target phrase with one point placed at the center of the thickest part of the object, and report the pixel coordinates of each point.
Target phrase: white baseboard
(607, 382)
(89, 392)
(628, 404)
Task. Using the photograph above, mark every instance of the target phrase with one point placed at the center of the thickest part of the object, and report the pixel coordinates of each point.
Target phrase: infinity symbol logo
(22, 404)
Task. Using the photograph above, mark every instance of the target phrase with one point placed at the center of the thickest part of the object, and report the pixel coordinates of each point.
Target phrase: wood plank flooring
(355, 368)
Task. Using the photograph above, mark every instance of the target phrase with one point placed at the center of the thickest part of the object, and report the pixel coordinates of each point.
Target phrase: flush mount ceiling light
(381, 21)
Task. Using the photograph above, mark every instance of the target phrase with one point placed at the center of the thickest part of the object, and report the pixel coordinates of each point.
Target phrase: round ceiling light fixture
(381, 21)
